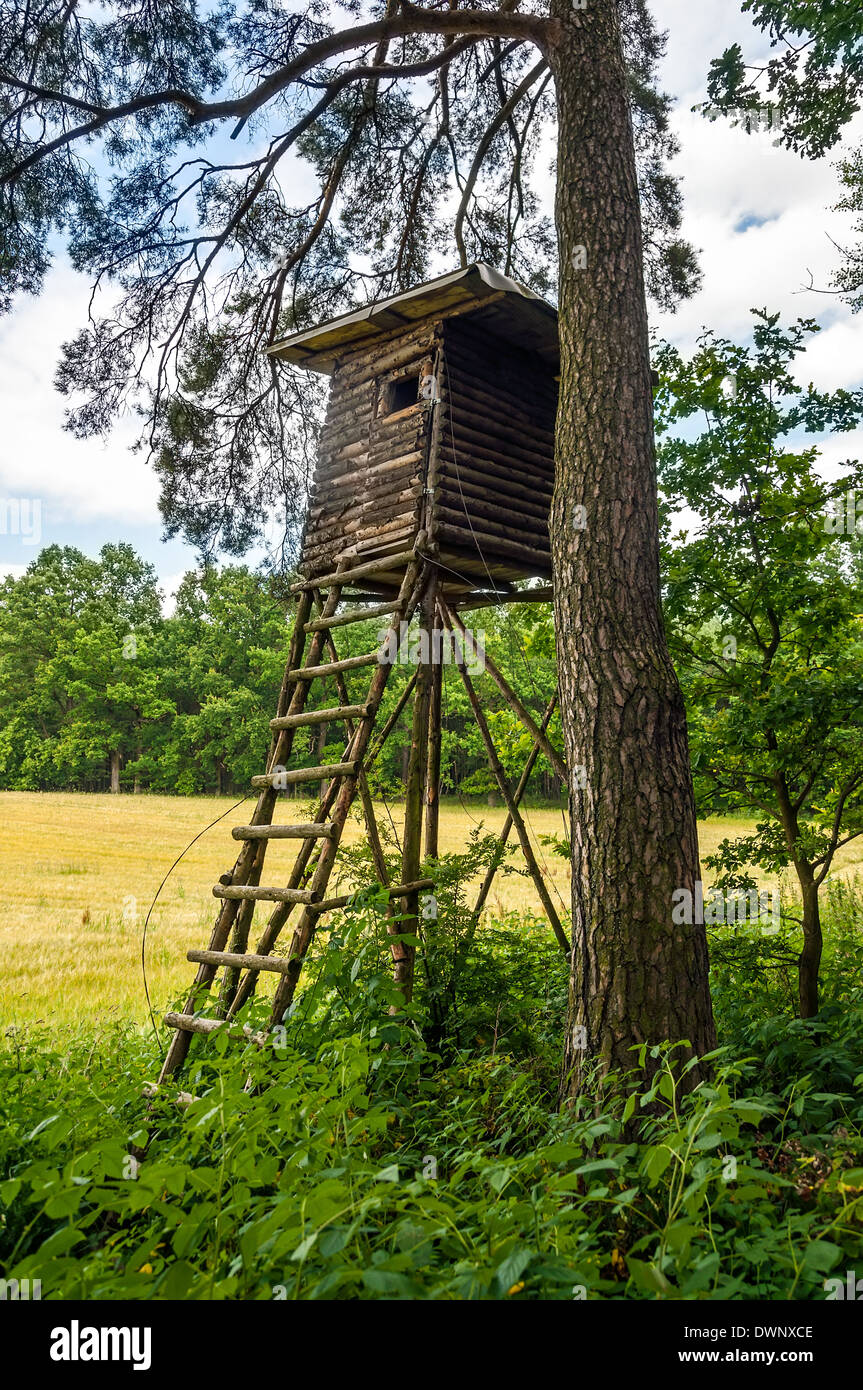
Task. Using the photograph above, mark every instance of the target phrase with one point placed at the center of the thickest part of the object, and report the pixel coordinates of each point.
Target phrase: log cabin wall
(493, 461)
(373, 457)
(475, 469)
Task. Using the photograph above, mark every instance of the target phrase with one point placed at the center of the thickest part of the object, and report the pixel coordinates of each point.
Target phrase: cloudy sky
(759, 216)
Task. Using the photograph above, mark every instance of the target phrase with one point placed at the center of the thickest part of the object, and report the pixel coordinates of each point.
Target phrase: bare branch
(492, 129)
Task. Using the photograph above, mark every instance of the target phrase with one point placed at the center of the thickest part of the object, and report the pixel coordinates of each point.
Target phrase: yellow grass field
(79, 872)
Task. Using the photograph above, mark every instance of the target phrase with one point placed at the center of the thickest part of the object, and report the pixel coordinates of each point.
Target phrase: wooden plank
(245, 893)
(304, 830)
(240, 961)
(323, 716)
(285, 778)
(358, 571)
(348, 663)
(394, 532)
(400, 890)
(353, 615)
(495, 531)
(475, 480)
(513, 519)
(541, 594)
(507, 451)
(188, 1024)
(531, 562)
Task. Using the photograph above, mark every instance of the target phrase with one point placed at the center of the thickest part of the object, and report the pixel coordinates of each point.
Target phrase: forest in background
(100, 690)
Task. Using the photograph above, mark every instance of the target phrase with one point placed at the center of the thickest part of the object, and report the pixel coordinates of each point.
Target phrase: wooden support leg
(403, 954)
(435, 736)
(375, 842)
(515, 814)
(482, 896)
(515, 704)
(530, 762)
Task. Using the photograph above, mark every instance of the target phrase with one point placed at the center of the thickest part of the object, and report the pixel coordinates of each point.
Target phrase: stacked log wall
(485, 451)
(368, 486)
(494, 451)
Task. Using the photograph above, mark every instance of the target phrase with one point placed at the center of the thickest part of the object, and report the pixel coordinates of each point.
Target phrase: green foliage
(763, 596)
(90, 668)
(815, 78)
(753, 978)
(346, 1160)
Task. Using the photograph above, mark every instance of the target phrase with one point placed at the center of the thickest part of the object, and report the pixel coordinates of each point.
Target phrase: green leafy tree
(228, 640)
(765, 606)
(75, 679)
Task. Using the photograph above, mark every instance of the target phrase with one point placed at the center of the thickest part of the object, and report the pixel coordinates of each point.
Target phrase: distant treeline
(99, 690)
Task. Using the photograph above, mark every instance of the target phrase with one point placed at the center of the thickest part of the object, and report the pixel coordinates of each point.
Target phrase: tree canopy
(764, 605)
(224, 175)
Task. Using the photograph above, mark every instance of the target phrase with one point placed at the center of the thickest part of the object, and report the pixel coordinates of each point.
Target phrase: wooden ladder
(240, 889)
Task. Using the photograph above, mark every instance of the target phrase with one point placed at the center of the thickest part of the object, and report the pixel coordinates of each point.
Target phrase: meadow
(79, 873)
(363, 1162)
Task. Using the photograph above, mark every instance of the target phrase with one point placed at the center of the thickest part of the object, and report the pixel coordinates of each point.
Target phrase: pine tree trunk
(635, 975)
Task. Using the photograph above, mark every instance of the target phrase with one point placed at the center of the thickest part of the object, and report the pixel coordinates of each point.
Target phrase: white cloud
(77, 480)
(15, 571)
(169, 584)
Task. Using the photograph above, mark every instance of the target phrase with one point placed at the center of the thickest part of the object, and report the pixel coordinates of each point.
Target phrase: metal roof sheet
(523, 319)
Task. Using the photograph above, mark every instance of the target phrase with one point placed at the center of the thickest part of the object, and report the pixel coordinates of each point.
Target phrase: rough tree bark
(635, 976)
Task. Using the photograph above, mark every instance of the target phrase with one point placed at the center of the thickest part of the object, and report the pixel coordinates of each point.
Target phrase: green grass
(80, 872)
(360, 1165)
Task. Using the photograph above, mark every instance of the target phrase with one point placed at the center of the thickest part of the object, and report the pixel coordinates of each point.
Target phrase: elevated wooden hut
(432, 490)
(440, 420)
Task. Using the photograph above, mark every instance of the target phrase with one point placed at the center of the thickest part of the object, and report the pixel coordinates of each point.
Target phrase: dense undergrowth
(351, 1160)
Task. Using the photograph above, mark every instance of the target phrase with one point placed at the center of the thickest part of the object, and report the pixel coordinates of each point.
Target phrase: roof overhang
(521, 318)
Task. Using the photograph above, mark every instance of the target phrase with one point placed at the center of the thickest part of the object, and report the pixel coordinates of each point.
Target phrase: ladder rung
(332, 668)
(401, 890)
(304, 774)
(305, 830)
(386, 562)
(353, 615)
(321, 716)
(243, 892)
(189, 1024)
(280, 964)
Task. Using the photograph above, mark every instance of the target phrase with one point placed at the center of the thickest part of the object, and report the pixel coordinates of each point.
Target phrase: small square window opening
(400, 394)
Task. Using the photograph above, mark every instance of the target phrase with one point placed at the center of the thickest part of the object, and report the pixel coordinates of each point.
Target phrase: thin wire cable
(153, 904)
(507, 618)
(458, 791)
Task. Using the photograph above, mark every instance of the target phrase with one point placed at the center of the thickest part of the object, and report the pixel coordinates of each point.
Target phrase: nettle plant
(764, 606)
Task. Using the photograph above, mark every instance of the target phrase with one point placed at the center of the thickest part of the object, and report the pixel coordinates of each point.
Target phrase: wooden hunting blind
(431, 495)
(441, 419)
